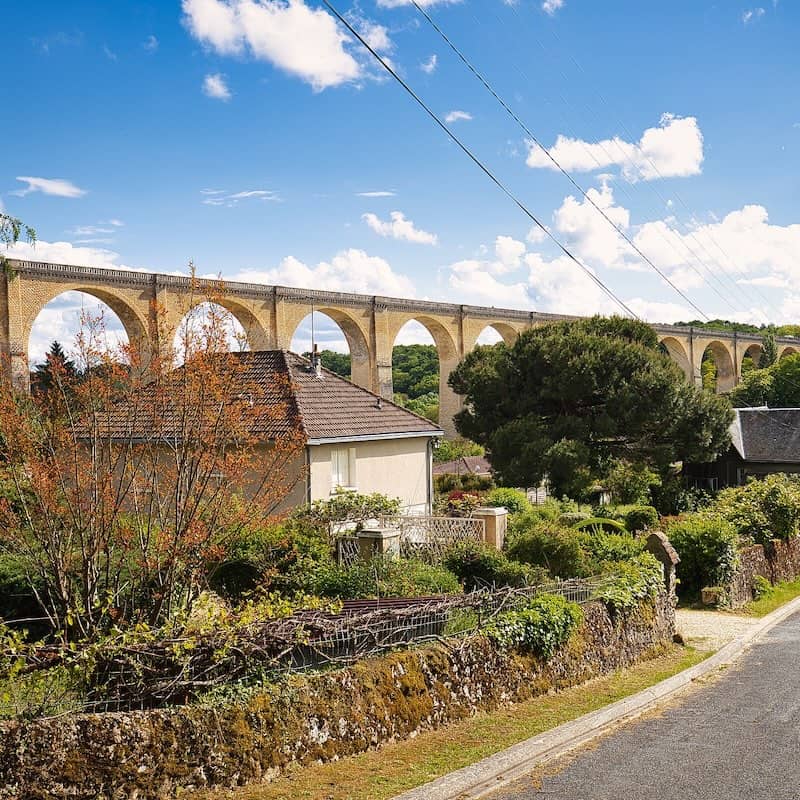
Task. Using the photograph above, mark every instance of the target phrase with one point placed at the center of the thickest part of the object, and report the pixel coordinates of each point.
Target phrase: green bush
(276, 558)
(630, 582)
(548, 545)
(763, 509)
(570, 519)
(478, 565)
(641, 518)
(631, 483)
(604, 548)
(540, 627)
(708, 548)
(347, 507)
(468, 482)
(515, 500)
(761, 587)
(451, 449)
(381, 578)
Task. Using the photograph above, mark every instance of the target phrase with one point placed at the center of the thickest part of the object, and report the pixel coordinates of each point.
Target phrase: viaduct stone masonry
(271, 314)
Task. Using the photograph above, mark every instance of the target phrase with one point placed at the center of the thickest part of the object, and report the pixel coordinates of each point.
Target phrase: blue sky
(259, 140)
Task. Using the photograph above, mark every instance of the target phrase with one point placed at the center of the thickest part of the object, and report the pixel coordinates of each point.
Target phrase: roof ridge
(293, 394)
(365, 390)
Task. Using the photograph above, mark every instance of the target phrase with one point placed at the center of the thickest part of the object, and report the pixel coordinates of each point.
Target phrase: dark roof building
(466, 465)
(763, 441)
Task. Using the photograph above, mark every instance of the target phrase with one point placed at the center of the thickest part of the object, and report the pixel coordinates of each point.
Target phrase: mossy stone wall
(315, 717)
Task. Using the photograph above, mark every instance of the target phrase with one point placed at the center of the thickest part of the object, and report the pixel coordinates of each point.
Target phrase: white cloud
(219, 197)
(399, 228)
(108, 226)
(457, 116)
(348, 271)
(150, 44)
(429, 66)
(302, 41)
(376, 36)
(551, 6)
(58, 187)
(473, 281)
(380, 193)
(673, 149)
(509, 252)
(752, 14)
(109, 53)
(216, 87)
(585, 230)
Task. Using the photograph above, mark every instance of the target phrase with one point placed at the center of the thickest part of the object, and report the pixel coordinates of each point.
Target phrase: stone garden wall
(777, 561)
(313, 717)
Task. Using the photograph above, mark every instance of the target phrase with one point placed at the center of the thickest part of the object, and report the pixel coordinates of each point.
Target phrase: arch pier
(146, 302)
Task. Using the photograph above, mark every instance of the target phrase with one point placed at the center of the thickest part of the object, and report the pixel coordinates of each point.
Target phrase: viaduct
(271, 314)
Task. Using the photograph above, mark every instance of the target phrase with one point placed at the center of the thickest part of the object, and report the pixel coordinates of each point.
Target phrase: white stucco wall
(395, 467)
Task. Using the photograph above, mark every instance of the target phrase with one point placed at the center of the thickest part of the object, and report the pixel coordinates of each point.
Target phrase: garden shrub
(382, 577)
(604, 548)
(761, 587)
(571, 518)
(277, 558)
(631, 483)
(479, 565)
(468, 482)
(348, 508)
(630, 582)
(540, 627)
(515, 500)
(763, 509)
(548, 545)
(641, 518)
(708, 548)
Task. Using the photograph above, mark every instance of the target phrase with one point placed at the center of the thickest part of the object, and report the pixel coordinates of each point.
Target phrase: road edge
(498, 770)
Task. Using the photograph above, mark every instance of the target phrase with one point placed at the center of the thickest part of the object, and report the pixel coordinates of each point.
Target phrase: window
(343, 468)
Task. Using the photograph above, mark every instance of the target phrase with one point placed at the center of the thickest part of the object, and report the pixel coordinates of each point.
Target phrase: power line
(627, 158)
(557, 164)
(466, 150)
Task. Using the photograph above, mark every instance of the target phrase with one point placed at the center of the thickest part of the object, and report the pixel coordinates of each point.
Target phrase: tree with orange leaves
(124, 480)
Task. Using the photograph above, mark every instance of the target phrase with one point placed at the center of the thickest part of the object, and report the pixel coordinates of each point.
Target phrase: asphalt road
(737, 737)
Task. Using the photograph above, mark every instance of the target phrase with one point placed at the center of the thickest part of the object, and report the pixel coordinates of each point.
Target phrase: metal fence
(151, 676)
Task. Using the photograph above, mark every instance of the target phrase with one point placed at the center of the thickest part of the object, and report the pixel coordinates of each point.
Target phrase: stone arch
(356, 338)
(135, 324)
(788, 350)
(255, 331)
(675, 349)
(723, 360)
(448, 354)
(754, 353)
(507, 332)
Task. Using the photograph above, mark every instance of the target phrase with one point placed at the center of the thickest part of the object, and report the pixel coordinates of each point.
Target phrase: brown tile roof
(333, 407)
(286, 392)
(466, 465)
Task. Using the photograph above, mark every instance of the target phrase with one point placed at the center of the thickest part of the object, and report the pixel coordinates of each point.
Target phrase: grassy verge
(381, 774)
(779, 594)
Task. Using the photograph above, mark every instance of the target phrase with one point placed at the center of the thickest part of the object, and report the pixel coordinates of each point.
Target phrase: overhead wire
(479, 163)
(502, 186)
(559, 167)
(627, 158)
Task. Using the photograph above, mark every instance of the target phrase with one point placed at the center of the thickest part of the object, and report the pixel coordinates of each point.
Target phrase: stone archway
(677, 352)
(724, 364)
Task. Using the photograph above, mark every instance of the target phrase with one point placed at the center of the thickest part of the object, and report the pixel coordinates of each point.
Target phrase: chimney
(316, 362)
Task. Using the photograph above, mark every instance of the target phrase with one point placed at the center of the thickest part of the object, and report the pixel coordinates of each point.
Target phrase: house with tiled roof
(763, 441)
(354, 439)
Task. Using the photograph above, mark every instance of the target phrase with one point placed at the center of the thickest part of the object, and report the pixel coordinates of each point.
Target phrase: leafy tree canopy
(415, 369)
(569, 397)
(777, 386)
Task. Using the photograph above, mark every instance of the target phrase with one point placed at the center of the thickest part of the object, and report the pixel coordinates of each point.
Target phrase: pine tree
(52, 370)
